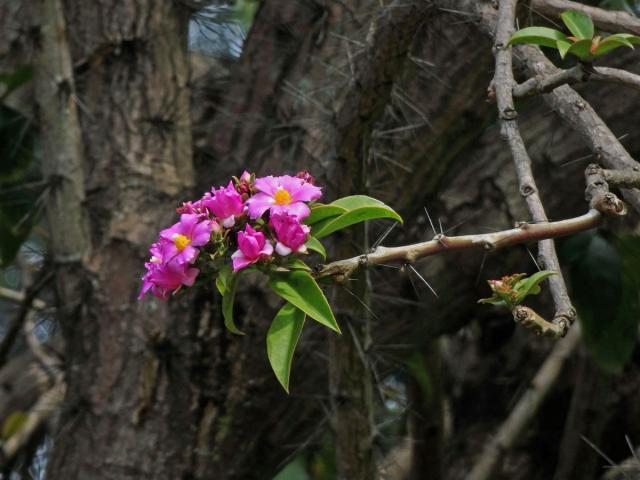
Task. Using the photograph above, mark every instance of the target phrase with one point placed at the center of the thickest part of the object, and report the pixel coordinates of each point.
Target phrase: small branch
(580, 116)
(540, 84)
(529, 318)
(504, 82)
(616, 75)
(617, 178)
(47, 404)
(610, 20)
(18, 297)
(524, 232)
(526, 408)
(18, 321)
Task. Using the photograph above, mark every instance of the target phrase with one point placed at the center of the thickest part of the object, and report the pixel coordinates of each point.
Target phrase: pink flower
(226, 204)
(164, 275)
(190, 232)
(282, 194)
(291, 234)
(245, 177)
(252, 246)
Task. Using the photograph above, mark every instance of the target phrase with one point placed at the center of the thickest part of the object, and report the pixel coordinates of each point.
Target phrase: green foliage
(579, 24)
(282, 339)
(227, 287)
(606, 288)
(12, 424)
(300, 289)
(582, 44)
(315, 245)
(511, 290)
(348, 211)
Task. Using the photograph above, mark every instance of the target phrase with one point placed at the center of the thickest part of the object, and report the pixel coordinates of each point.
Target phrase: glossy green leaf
(579, 24)
(282, 339)
(543, 36)
(563, 47)
(223, 278)
(531, 285)
(300, 289)
(322, 212)
(612, 42)
(581, 49)
(315, 245)
(358, 209)
(228, 297)
(605, 292)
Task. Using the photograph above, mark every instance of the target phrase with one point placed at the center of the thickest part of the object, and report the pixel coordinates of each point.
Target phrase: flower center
(282, 197)
(181, 241)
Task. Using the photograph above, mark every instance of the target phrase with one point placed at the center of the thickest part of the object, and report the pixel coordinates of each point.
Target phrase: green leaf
(581, 49)
(315, 245)
(612, 42)
(531, 285)
(322, 212)
(495, 300)
(282, 339)
(13, 423)
(579, 24)
(543, 36)
(358, 209)
(563, 47)
(223, 278)
(300, 289)
(227, 301)
(605, 285)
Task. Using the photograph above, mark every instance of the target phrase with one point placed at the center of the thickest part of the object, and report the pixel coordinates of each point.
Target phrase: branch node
(526, 190)
(509, 113)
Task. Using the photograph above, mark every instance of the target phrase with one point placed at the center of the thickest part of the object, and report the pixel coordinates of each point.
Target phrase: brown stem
(524, 232)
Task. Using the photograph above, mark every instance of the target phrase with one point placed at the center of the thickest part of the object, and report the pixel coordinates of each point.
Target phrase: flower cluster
(251, 217)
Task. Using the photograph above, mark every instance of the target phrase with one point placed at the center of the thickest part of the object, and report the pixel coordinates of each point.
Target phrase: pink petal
(267, 249)
(240, 261)
(297, 209)
(258, 204)
(268, 185)
(201, 233)
(300, 190)
(282, 250)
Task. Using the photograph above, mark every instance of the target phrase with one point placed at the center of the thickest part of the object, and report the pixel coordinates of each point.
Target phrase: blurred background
(158, 101)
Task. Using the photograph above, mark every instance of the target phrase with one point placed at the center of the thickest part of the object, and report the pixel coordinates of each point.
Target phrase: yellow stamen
(181, 241)
(282, 197)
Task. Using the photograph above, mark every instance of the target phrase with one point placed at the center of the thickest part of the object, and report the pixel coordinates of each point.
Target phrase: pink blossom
(282, 194)
(163, 274)
(190, 232)
(245, 177)
(252, 246)
(290, 233)
(226, 204)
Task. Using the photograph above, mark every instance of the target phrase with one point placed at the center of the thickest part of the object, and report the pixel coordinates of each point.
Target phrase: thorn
(533, 258)
(383, 236)
(429, 217)
(422, 278)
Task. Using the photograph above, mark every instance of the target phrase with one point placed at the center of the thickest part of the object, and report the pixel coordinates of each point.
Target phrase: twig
(537, 85)
(609, 20)
(526, 408)
(580, 116)
(341, 270)
(18, 321)
(616, 75)
(503, 83)
(577, 74)
(46, 405)
(18, 297)
(617, 178)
